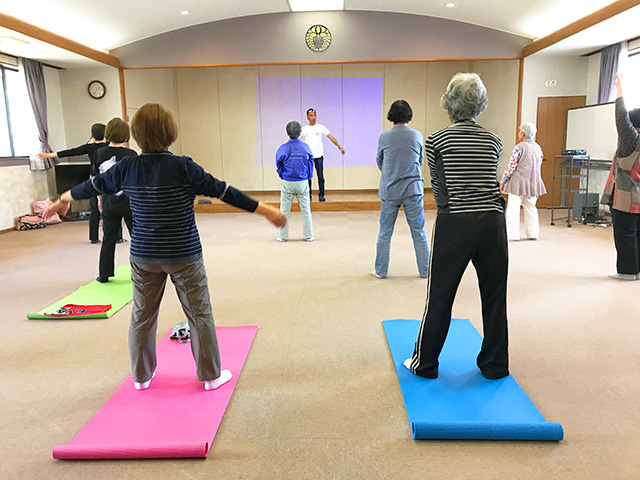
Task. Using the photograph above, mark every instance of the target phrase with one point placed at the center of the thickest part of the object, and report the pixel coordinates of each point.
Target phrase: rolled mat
(117, 292)
(461, 403)
(174, 418)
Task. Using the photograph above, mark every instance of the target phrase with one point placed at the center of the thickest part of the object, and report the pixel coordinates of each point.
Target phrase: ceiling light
(315, 5)
(185, 12)
(11, 41)
(449, 5)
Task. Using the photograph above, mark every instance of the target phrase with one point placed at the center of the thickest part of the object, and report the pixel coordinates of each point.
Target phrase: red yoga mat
(174, 418)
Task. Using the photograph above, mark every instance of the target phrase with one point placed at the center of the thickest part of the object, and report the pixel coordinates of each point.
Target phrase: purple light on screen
(351, 108)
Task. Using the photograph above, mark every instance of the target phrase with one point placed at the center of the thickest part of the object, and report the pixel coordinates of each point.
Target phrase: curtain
(608, 67)
(34, 76)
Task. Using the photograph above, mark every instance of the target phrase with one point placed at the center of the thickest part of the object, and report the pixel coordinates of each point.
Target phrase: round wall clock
(318, 38)
(96, 89)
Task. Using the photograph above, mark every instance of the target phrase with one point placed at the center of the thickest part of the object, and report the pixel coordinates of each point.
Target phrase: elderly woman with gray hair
(469, 227)
(523, 183)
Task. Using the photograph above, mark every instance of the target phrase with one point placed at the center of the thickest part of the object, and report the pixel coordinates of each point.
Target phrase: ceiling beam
(590, 20)
(51, 38)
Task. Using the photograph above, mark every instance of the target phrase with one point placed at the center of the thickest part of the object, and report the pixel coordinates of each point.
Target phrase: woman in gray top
(400, 156)
(523, 183)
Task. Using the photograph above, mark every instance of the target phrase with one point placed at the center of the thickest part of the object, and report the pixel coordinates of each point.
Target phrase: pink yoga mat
(174, 418)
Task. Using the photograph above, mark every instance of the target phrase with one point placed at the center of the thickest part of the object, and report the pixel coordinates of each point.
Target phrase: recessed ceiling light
(315, 5)
(11, 41)
(185, 12)
(449, 5)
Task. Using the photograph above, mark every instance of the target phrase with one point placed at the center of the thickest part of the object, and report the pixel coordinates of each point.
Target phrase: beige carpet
(318, 397)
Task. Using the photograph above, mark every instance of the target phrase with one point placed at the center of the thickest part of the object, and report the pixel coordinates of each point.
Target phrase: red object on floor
(72, 310)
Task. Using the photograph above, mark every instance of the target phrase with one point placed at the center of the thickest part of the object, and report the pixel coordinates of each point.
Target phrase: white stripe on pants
(531, 222)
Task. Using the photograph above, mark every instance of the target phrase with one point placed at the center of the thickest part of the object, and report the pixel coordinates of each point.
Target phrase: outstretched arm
(272, 214)
(61, 205)
(336, 143)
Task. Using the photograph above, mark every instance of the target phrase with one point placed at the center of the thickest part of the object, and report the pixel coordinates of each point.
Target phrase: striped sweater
(162, 188)
(463, 162)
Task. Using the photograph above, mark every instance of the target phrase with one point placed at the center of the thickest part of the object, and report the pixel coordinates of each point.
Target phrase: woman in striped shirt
(470, 226)
(161, 188)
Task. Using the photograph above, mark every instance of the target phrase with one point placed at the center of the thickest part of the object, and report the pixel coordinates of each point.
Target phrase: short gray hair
(294, 129)
(529, 129)
(465, 98)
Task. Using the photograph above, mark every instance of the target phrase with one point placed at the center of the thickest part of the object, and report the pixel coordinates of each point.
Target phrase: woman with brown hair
(162, 188)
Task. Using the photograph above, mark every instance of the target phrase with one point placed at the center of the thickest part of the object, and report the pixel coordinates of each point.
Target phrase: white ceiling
(107, 25)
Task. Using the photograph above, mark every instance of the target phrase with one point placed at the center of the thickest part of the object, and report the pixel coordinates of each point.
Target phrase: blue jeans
(414, 212)
(319, 162)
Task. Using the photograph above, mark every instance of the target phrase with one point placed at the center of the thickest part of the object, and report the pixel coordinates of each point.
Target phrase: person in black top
(114, 208)
(90, 148)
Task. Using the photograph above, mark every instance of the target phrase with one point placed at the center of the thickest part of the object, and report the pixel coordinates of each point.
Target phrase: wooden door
(551, 121)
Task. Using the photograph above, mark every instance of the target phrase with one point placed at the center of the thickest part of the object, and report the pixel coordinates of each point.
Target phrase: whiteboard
(592, 129)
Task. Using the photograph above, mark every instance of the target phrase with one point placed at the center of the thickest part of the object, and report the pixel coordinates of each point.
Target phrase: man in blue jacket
(294, 162)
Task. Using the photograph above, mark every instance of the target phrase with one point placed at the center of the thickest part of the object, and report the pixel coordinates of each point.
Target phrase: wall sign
(318, 38)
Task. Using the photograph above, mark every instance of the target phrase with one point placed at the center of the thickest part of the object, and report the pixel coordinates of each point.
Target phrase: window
(632, 75)
(18, 129)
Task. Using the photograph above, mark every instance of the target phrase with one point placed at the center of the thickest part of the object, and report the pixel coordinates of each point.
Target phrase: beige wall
(22, 186)
(216, 110)
(80, 110)
(570, 74)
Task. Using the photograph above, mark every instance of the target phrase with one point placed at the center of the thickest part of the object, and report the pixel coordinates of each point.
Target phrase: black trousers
(320, 171)
(94, 219)
(114, 210)
(458, 239)
(626, 235)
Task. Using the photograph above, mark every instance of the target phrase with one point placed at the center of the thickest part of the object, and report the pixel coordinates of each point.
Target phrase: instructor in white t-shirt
(312, 136)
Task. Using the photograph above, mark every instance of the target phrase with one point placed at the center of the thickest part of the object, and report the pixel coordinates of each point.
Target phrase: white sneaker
(281, 239)
(374, 274)
(144, 385)
(629, 277)
(310, 239)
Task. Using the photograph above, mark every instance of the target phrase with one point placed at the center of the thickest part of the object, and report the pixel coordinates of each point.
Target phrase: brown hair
(117, 131)
(154, 128)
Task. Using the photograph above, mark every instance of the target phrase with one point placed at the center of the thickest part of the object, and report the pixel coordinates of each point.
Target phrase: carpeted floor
(318, 397)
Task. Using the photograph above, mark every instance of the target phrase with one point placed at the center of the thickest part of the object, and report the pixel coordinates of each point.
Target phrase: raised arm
(627, 134)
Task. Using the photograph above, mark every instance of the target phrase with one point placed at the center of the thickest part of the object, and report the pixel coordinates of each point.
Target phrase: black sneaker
(102, 279)
(321, 199)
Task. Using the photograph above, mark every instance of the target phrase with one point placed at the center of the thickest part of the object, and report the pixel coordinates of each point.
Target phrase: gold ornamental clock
(318, 38)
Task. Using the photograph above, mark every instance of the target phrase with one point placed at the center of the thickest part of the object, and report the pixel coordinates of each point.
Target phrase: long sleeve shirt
(622, 188)
(399, 158)
(89, 149)
(463, 162)
(161, 188)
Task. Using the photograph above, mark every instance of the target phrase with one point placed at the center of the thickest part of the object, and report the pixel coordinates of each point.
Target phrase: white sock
(407, 363)
(144, 385)
(225, 376)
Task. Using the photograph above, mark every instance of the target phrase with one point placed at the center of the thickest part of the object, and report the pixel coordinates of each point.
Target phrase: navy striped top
(162, 188)
(463, 162)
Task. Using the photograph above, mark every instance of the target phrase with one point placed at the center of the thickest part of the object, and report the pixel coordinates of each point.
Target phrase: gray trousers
(191, 286)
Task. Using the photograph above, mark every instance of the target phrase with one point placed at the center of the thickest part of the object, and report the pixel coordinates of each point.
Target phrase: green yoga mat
(117, 292)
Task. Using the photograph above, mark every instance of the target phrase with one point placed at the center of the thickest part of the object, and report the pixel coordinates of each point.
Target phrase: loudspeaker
(586, 205)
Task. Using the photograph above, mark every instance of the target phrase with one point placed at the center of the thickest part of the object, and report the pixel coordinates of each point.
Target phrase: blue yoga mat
(461, 403)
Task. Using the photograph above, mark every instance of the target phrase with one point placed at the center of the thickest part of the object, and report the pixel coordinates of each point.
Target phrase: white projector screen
(592, 129)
